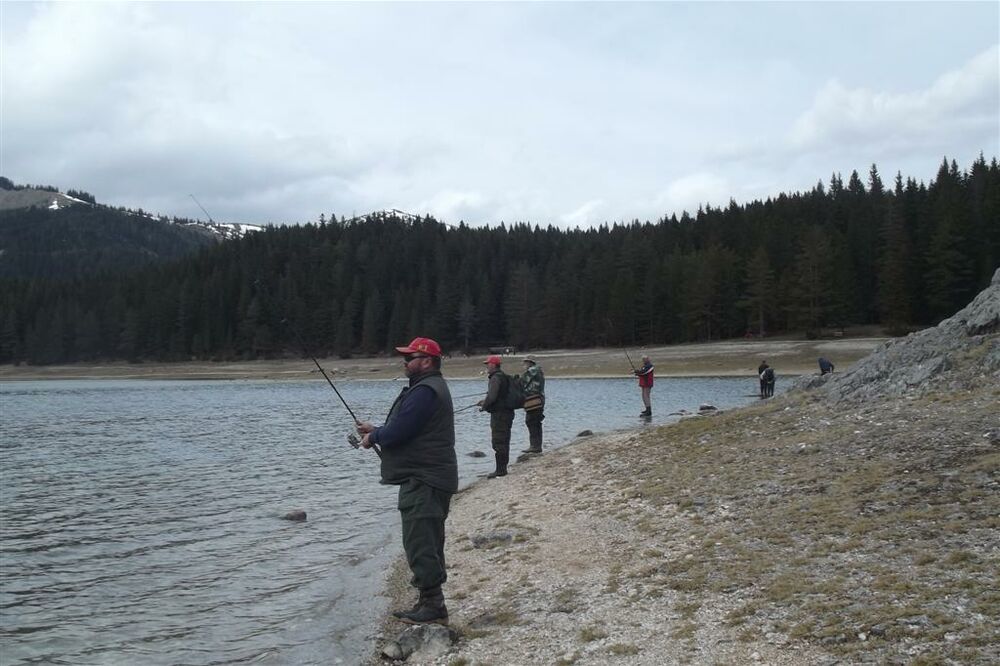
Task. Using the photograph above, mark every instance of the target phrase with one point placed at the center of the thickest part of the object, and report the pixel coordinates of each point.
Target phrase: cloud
(567, 114)
(584, 215)
(961, 102)
(689, 192)
(454, 205)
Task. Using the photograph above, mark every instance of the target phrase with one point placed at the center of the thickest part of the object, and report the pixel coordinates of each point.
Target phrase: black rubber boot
(430, 609)
(646, 412)
(501, 469)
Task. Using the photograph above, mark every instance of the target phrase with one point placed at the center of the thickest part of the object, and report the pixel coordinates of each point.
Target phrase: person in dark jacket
(760, 375)
(825, 366)
(645, 375)
(418, 455)
(533, 384)
(767, 377)
(501, 414)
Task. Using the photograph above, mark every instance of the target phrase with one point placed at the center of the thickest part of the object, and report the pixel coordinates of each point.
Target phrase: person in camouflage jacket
(533, 383)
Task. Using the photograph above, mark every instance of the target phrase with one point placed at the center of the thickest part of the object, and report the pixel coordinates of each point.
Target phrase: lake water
(140, 521)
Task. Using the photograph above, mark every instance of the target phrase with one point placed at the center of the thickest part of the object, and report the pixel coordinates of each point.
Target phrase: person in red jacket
(645, 375)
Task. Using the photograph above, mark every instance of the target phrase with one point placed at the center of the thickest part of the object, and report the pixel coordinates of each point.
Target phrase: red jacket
(645, 374)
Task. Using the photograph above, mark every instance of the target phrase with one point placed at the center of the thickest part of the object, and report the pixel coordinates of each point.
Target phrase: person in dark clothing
(825, 366)
(767, 377)
(645, 375)
(418, 455)
(533, 383)
(501, 414)
(760, 375)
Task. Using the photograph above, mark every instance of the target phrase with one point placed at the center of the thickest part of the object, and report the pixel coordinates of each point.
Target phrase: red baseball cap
(423, 345)
(494, 359)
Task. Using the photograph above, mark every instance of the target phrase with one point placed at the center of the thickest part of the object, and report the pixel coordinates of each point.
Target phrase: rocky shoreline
(855, 522)
(712, 359)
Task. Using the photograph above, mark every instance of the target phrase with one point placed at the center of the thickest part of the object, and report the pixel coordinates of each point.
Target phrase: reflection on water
(141, 520)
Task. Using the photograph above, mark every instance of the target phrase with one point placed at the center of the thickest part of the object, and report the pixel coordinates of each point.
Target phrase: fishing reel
(354, 440)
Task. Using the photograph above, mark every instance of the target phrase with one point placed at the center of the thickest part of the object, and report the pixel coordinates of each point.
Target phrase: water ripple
(140, 521)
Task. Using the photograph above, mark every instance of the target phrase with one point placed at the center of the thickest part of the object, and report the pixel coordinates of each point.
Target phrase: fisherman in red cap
(418, 455)
(501, 413)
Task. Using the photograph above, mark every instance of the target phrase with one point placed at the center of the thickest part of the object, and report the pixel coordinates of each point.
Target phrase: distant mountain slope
(47, 234)
(28, 198)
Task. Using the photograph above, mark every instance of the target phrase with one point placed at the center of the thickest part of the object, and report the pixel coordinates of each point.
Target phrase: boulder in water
(585, 433)
(297, 515)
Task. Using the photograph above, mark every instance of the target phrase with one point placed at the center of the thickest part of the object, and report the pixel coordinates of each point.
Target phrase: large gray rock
(424, 642)
(960, 351)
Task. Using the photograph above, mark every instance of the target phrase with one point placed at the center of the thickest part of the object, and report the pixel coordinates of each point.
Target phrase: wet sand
(712, 359)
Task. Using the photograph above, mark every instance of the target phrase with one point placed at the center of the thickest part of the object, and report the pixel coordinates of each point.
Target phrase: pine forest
(896, 255)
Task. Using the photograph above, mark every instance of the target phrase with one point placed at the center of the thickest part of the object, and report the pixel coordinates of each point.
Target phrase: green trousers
(423, 510)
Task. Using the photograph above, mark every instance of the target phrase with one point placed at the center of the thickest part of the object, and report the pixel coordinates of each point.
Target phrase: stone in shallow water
(297, 515)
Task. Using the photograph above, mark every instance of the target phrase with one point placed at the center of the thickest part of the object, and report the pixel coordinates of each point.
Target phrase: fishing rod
(462, 409)
(630, 361)
(203, 209)
(351, 437)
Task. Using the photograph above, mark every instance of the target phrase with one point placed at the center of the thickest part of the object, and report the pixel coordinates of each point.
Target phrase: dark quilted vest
(430, 456)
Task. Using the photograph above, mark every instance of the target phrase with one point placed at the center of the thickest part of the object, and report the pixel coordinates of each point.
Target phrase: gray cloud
(570, 114)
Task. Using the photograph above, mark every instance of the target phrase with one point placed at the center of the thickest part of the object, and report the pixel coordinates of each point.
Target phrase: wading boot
(646, 412)
(424, 595)
(430, 610)
(400, 614)
(501, 469)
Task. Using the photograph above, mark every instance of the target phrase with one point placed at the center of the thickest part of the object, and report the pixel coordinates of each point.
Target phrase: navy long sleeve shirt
(416, 410)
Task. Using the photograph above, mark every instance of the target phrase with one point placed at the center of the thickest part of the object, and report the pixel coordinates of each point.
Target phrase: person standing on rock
(418, 455)
(645, 375)
(533, 383)
(825, 367)
(501, 414)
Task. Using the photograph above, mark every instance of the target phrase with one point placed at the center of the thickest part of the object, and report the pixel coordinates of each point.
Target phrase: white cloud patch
(690, 192)
(453, 206)
(960, 102)
(586, 215)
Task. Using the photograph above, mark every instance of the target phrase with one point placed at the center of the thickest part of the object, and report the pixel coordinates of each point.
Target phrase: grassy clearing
(869, 530)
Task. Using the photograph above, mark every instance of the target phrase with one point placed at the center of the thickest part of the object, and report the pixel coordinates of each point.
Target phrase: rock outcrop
(961, 352)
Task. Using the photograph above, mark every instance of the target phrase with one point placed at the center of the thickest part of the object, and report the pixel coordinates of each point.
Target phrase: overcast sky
(553, 113)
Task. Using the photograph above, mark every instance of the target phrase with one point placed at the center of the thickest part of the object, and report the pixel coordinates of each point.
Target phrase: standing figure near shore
(533, 383)
(767, 379)
(760, 375)
(645, 375)
(825, 366)
(418, 455)
(501, 414)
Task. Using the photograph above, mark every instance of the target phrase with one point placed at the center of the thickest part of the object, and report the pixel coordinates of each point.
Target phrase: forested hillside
(85, 240)
(841, 254)
(46, 234)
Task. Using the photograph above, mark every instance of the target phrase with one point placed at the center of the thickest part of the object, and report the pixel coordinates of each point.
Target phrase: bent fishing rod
(351, 437)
